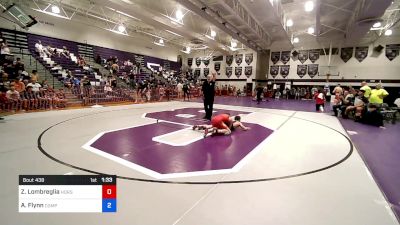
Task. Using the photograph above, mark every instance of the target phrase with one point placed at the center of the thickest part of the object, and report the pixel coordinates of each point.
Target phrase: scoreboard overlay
(67, 193)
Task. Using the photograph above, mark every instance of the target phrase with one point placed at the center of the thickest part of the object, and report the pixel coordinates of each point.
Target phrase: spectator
(179, 88)
(377, 95)
(373, 117)
(186, 89)
(39, 49)
(12, 94)
(34, 75)
(45, 85)
(5, 50)
(35, 86)
(65, 52)
(366, 89)
(48, 51)
(85, 82)
(98, 59)
(337, 90)
(345, 100)
(259, 91)
(319, 101)
(13, 98)
(19, 66)
(114, 68)
(19, 85)
(60, 98)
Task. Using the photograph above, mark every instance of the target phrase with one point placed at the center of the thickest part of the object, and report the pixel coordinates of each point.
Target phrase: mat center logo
(169, 148)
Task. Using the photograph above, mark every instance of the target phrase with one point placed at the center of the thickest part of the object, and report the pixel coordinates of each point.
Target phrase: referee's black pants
(208, 107)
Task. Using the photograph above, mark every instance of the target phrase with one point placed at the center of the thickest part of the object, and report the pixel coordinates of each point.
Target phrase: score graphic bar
(67, 193)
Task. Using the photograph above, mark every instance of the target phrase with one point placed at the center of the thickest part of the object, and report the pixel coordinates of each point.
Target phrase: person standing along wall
(208, 89)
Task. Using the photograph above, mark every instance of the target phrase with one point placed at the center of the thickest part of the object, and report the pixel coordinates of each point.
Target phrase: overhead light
(55, 9)
(233, 44)
(377, 24)
(310, 30)
(121, 28)
(388, 32)
(289, 22)
(213, 33)
(296, 40)
(178, 14)
(309, 6)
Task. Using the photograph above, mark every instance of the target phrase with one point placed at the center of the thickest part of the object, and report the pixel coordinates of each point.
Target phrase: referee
(208, 94)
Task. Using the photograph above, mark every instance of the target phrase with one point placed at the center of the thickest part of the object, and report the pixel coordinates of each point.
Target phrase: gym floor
(292, 167)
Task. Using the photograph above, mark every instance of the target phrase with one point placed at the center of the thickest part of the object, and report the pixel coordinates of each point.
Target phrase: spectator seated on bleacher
(65, 52)
(397, 102)
(372, 116)
(13, 98)
(128, 63)
(19, 66)
(341, 102)
(35, 86)
(49, 51)
(114, 68)
(81, 61)
(358, 108)
(98, 59)
(40, 49)
(19, 85)
(107, 88)
(34, 75)
(5, 50)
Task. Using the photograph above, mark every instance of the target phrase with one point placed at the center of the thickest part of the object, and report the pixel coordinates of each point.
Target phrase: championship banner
(346, 54)
(206, 71)
(392, 51)
(248, 58)
(312, 70)
(301, 70)
(361, 53)
(313, 55)
(274, 70)
(206, 62)
(275, 56)
(239, 59)
(248, 70)
(228, 71)
(198, 62)
(190, 62)
(229, 60)
(238, 71)
(217, 66)
(197, 72)
(285, 70)
(285, 57)
(303, 56)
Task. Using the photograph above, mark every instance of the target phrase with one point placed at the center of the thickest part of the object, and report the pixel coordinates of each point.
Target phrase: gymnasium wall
(81, 32)
(374, 67)
(222, 78)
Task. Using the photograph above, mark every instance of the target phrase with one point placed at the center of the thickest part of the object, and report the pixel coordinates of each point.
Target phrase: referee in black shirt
(208, 94)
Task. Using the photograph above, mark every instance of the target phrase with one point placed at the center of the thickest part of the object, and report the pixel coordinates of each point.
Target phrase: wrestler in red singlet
(220, 121)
